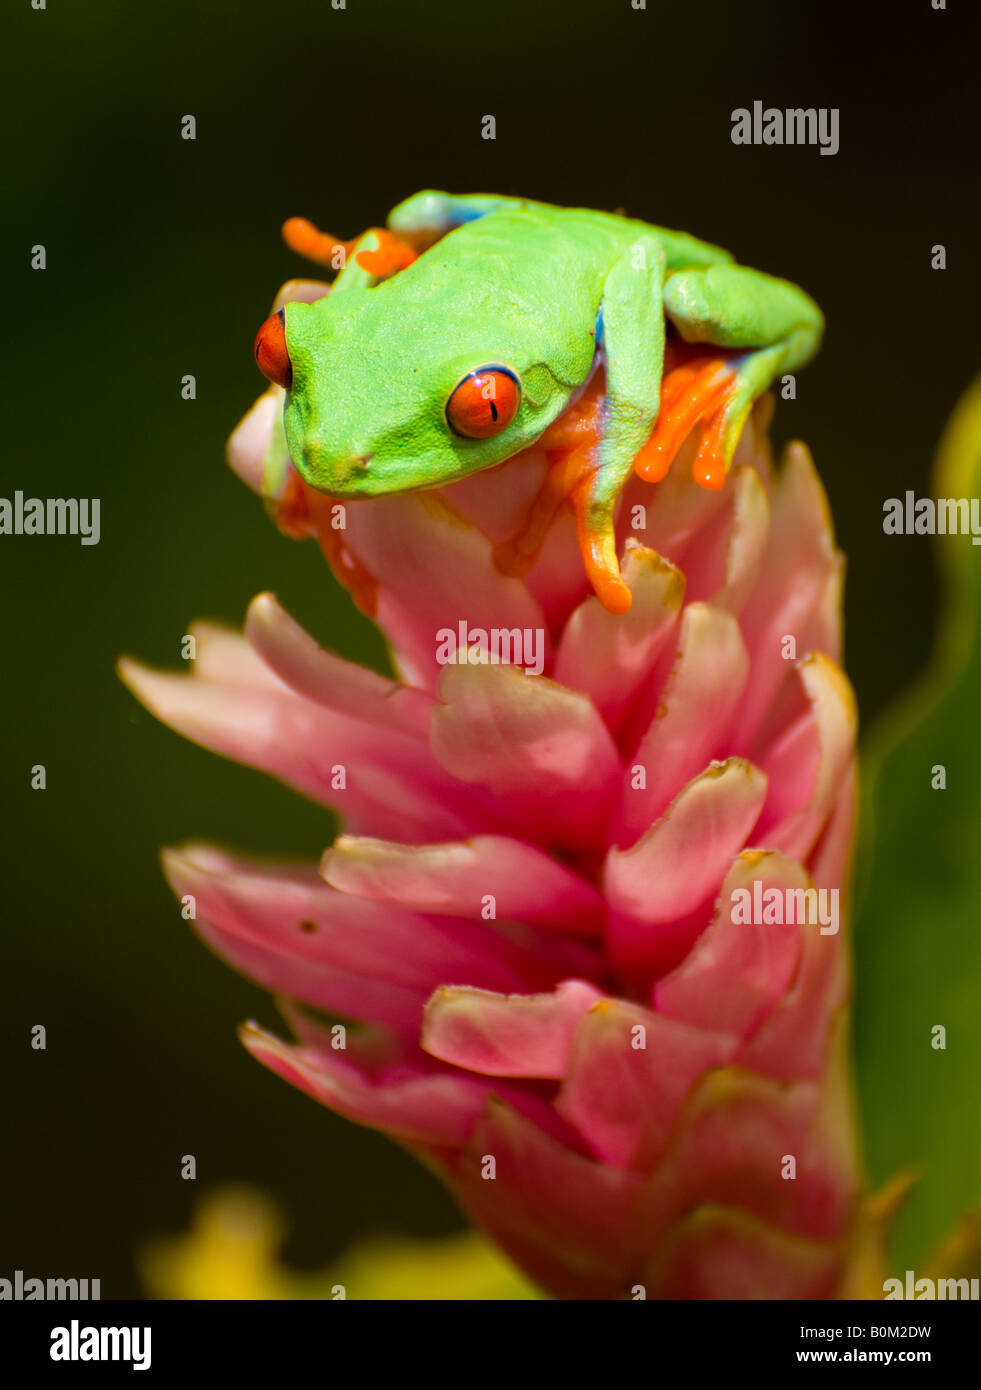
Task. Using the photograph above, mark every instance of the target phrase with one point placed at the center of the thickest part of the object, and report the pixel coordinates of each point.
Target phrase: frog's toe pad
(612, 590)
(391, 255)
(701, 391)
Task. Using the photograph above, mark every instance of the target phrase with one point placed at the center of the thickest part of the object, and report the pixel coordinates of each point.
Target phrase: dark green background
(163, 257)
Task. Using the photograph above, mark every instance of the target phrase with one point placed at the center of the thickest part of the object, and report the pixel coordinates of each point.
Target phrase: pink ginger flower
(533, 911)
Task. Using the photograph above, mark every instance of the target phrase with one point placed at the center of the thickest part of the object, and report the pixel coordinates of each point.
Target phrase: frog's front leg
(300, 511)
(729, 307)
(632, 343)
(592, 448)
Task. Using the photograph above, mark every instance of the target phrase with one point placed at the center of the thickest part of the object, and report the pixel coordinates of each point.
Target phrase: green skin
(548, 292)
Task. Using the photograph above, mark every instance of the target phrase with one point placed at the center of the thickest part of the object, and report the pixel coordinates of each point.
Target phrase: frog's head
(387, 391)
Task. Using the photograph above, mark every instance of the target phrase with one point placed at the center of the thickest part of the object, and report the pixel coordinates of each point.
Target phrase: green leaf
(918, 914)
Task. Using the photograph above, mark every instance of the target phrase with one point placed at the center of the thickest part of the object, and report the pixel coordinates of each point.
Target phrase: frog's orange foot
(290, 509)
(345, 566)
(570, 477)
(699, 391)
(599, 553)
(391, 254)
(516, 555)
(569, 443)
(300, 511)
(572, 444)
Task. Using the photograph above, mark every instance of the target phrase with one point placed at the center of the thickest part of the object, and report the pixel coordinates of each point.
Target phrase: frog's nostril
(340, 470)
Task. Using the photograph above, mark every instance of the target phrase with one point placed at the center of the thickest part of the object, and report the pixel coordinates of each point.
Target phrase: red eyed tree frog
(456, 337)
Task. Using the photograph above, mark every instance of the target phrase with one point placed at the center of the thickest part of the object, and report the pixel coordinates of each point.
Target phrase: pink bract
(529, 913)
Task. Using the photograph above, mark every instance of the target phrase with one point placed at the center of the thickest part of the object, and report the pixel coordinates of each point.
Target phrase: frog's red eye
(484, 402)
(271, 352)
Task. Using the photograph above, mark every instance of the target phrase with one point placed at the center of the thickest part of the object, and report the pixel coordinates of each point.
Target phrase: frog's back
(549, 246)
(596, 238)
(474, 222)
(532, 269)
(613, 230)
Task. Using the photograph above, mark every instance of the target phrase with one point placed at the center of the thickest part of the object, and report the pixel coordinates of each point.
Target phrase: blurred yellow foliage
(231, 1252)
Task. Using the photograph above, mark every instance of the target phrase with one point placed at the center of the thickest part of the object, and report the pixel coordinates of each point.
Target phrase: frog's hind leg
(413, 226)
(751, 375)
(717, 391)
(714, 390)
(763, 327)
(426, 217)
